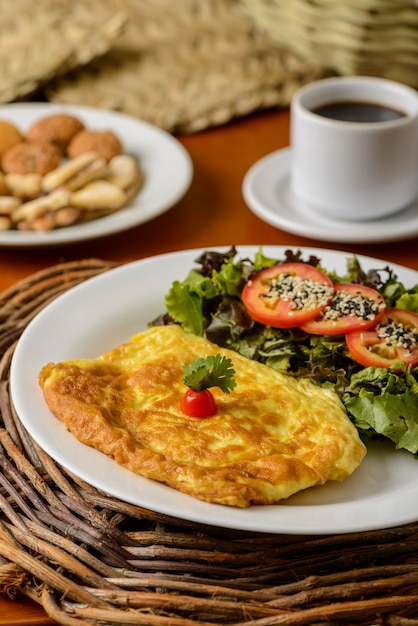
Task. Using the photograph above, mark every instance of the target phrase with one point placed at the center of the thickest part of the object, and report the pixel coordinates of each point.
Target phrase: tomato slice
(198, 403)
(287, 295)
(393, 339)
(353, 307)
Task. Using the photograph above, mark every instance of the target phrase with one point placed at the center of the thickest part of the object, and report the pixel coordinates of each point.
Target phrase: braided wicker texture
(91, 559)
(369, 37)
(185, 66)
(43, 39)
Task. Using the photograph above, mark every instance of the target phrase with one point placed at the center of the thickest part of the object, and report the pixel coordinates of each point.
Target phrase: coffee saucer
(266, 190)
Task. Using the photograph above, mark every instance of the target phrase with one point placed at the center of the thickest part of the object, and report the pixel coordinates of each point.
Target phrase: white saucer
(266, 190)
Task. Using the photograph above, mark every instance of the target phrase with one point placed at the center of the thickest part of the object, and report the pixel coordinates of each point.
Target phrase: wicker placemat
(186, 65)
(89, 558)
(47, 38)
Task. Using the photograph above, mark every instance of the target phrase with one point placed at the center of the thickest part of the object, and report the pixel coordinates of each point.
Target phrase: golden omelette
(271, 437)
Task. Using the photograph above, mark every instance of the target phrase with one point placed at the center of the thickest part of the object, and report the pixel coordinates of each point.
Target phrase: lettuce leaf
(384, 402)
(408, 300)
(392, 416)
(192, 301)
(185, 307)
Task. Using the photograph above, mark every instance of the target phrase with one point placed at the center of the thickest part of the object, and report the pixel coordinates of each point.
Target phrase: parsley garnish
(212, 371)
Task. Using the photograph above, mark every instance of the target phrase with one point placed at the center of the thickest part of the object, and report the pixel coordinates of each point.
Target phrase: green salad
(382, 402)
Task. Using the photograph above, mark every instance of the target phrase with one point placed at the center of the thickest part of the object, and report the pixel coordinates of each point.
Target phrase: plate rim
(325, 228)
(209, 514)
(119, 221)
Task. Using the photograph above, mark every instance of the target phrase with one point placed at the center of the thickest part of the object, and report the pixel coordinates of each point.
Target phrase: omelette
(273, 436)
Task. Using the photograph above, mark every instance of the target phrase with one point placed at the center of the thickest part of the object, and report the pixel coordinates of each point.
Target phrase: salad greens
(379, 401)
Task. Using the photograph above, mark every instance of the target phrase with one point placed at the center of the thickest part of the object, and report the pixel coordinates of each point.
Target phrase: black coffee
(358, 112)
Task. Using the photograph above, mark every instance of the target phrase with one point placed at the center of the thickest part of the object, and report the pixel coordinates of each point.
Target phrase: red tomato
(198, 403)
(353, 307)
(287, 295)
(392, 340)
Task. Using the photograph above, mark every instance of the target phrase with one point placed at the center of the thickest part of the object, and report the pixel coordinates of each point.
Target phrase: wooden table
(212, 212)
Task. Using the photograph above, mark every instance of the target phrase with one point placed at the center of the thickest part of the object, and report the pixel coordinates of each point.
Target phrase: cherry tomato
(198, 403)
(287, 295)
(353, 307)
(393, 339)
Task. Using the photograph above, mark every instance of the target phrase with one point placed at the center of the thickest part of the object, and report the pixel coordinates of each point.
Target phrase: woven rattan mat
(89, 558)
(186, 65)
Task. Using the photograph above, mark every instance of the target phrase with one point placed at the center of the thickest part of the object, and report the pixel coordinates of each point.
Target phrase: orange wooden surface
(212, 212)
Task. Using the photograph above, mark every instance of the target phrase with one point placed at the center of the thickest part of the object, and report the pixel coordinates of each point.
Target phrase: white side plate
(166, 165)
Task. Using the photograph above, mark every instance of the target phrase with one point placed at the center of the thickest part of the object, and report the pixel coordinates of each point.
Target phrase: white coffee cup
(354, 170)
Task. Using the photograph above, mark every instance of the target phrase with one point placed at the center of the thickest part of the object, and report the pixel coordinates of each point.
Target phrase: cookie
(75, 173)
(9, 136)
(4, 187)
(99, 194)
(31, 158)
(24, 186)
(124, 171)
(104, 142)
(58, 129)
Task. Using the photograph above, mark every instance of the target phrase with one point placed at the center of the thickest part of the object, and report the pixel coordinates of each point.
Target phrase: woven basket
(47, 38)
(92, 559)
(368, 37)
(186, 65)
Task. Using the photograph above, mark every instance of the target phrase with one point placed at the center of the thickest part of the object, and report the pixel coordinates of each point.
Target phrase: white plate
(266, 190)
(107, 310)
(166, 165)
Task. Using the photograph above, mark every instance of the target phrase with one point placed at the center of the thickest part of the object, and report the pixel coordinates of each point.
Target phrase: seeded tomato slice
(392, 340)
(287, 295)
(353, 307)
